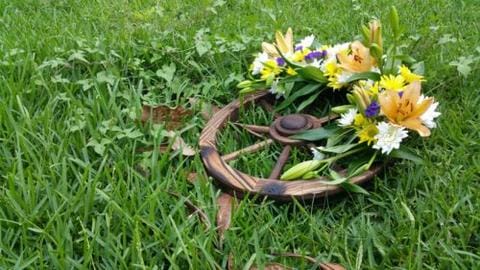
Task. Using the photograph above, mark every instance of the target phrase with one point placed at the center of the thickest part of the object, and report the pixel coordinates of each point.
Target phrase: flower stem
(337, 157)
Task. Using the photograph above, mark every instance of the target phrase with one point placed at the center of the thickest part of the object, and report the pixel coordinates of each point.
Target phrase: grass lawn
(74, 76)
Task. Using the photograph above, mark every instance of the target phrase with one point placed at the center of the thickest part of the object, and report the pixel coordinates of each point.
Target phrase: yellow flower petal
(291, 71)
(409, 75)
(282, 45)
(270, 49)
(358, 61)
(289, 39)
(391, 82)
(388, 103)
(416, 124)
(406, 111)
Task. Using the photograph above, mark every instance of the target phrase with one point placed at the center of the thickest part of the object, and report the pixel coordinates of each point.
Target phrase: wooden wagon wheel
(284, 126)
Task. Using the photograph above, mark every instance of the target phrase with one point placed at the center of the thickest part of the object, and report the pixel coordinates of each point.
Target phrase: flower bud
(395, 22)
(244, 84)
(376, 33)
(361, 97)
(350, 98)
(342, 109)
(310, 175)
(376, 51)
(365, 35)
(300, 169)
(246, 90)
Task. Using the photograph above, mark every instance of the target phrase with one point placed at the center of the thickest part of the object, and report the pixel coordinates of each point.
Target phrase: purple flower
(299, 48)
(372, 110)
(313, 55)
(400, 94)
(280, 61)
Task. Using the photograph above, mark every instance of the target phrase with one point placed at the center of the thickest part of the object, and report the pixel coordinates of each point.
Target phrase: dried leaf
(192, 177)
(194, 102)
(272, 266)
(172, 118)
(323, 266)
(230, 262)
(331, 266)
(224, 214)
(194, 209)
(179, 144)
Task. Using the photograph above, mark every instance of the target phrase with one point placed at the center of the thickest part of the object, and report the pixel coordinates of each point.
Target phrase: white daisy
(317, 63)
(428, 117)
(389, 137)
(275, 90)
(258, 63)
(332, 52)
(375, 69)
(347, 118)
(344, 76)
(307, 41)
(323, 64)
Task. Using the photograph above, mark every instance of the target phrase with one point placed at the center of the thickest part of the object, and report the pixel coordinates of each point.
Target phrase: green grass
(73, 77)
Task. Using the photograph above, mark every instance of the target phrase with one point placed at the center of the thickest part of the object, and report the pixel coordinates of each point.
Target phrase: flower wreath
(383, 90)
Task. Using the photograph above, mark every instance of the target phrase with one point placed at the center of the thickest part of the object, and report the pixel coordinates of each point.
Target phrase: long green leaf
(312, 73)
(403, 153)
(338, 137)
(336, 181)
(354, 188)
(337, 178)
(374, 76)
(338, 149)
(315, 134)
(307, 89)
(309, 101)
(405, 58)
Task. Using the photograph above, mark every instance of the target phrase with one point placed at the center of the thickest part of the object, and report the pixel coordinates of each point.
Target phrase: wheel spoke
(282, 160)
(249, 149)
(268, 107)
(254, 129)
(318, 122)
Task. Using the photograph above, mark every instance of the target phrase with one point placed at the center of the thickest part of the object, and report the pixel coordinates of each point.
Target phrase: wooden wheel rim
(243, 184)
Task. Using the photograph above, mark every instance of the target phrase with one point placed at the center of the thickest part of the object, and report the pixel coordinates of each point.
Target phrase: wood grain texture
(249, 149)
(244, 184)
(282, 160)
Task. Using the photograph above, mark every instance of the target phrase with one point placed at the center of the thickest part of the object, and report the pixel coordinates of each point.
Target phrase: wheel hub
(289, 125)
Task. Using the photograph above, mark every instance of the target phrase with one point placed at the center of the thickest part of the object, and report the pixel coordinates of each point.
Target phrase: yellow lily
(358, 61)
(404, 109)
(284, 44)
